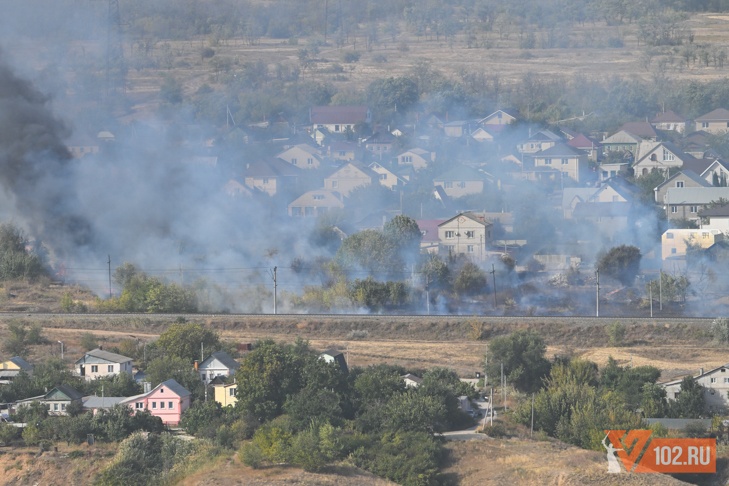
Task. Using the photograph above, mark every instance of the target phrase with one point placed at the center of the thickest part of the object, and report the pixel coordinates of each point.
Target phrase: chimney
(197, 364)
(701, 371)
(101, 348)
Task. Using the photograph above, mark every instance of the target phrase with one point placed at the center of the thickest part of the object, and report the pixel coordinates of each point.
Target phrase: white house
(716, 388)
(98, 363)
(217, 364)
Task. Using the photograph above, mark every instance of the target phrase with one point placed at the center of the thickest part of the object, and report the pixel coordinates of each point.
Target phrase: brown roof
(324, 115)
(720, 114)
(640, 129)
(668, 117)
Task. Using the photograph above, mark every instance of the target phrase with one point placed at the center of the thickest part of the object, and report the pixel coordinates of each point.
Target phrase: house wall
(457, 189)
(683, 211)
(464, 236)
(269, 185)
(346, 180)
(416, 161)
(158, 404)
(715, 127)
(225, 395)
(720, 223)
(99, 370)
(674, 242)
(300, 158)
(573, 167)
(209, 373)
(679, 181)
(716, 389)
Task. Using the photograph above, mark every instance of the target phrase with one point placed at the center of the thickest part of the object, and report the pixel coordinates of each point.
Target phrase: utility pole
(531, 431)
(202, 352)
(493, 274)
(427, 293)
(650, 292)
(275, 287)
(597, 299)
(109, 262)
(660, 290)
(491, 405)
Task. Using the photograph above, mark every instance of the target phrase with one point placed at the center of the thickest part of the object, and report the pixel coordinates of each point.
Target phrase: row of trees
(575, 401)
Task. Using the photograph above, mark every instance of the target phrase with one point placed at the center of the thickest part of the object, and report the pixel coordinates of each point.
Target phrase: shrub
(8, 433)
(251, 455)
(616, 334)
(351, 57)
(720, 329)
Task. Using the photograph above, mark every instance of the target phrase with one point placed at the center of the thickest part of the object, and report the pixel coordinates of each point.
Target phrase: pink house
(168, 401)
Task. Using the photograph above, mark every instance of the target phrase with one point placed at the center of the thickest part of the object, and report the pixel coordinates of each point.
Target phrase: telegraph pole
(275, 287)
(493, 274)
(597, 299)
(109, 262)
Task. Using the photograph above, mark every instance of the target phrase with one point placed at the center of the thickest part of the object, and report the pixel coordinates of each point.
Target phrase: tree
(268, 375)
(392, 95)
(164, 368)
(370, 251)
(690, 402)
(187, 340)
(522, 354)
(405, 233)
(621, 263)
(470, 280)
(15, 260)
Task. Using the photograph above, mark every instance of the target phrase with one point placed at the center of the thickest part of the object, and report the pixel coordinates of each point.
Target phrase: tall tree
(621, 263)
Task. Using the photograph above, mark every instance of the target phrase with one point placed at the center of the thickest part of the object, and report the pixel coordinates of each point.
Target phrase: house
(716, 218)
(686, 202)
(482, 134)
(685, 178)
(716, 173)
(610, 169)
(380, 143)
(225, 394)
(271, 176)
(217, 364)
(586, 144)
(715, 122)
(315, 203)
(95, 403)
(675, 242)
(716, 388)
(458, 128)
(621, 142)
(641, 129)
(461, 181)
(344, 151)
(568, 161)
(465, 234)
(98, 363)
(349, 177)
(334, 356)
(302, 156)
(80, 146)
(411, 381)
(429, 241)
(499, 117)
(168, 401)
(416, 158)
(608, 218)
(235, 189)
(542, 140)
(57, 400)
(339, 119)
(12, 367)
(663, 156)
(669, 121)
(386, 177)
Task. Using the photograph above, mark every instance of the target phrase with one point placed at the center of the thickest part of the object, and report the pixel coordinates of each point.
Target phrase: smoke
(36, 171)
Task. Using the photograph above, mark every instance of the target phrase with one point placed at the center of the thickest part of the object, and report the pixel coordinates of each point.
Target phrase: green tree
(653, 400)
(621, 263)
(268, 375)
(186, 340)
(690, 402)
(392, 95)
(470, 280)
(15, 260)
(405, 233)
(370, 251)
(164, 368)
(522, 354)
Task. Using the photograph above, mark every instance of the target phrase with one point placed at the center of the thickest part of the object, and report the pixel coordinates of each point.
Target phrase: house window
(679, 183)
(712, 380)
(462, 185)
(139, 405)
(335, 184)
(616, 198)
(94, 369)
(63, 406)
(309, 211)
(705, 235)
(293, 161)
(469, 248)
(674, 209)
(470, 234)
(336, 128)
(450, 235)
(202, 376)
(547, 161)
(265, 180)
(704, 124)
(55, 406)
(692, 209)
(669, 236)
(154, 404)
(161, 404)
(673, 250)
(448, 185)
(170, 405)
(231, 392)
(318, 197)
(565, 161)
(726, 380)
(309, 161)
(668, 155)
(383, 177)
(110, 368)
(295, 211)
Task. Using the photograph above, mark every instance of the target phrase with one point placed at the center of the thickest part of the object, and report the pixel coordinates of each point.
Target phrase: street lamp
(61, 343)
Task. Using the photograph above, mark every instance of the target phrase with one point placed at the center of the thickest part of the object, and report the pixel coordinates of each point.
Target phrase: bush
(351, 57)
(251, 455)
(720, 330)
(616, 334)
(8, 433)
